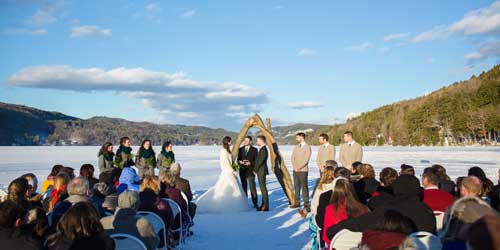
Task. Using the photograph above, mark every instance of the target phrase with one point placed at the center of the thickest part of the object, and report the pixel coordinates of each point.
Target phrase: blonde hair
(167, 178)
(366, 170)
(327, 177)
(473, 185)
(150, 182)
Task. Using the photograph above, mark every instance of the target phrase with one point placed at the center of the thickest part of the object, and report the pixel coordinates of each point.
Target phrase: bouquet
(235, 166)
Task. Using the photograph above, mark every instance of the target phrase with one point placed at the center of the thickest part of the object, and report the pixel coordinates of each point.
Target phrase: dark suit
(246, 172)
(260, 167)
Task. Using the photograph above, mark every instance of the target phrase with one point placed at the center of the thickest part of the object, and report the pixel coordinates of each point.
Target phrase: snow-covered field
(281, 228)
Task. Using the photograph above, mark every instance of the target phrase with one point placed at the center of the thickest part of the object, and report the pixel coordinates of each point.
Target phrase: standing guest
(326, 152)
(49, 183)
(145, 161)
(123, 156)
(151, 202)
(166, 157)
(384, 193)
(487, 183)
(125, 220)
(106, 191)
(246, 160)
(300, 160)
(343, 205)
(367, 184)
(260, 169)
(350, 151)
(11, 235)
(105, 156)
(79, 228)
(87, 172)
(59, 191)
(407, 201)
(183, 185)
(445, 183)
(407, 169)
(435, 198)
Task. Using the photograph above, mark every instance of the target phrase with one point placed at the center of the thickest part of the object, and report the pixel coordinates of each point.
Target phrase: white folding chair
(184, 196)
(439, 220)
(318, 236)
(345, 240)
(426, 241)
(127, 242)
(176, 210)
(157, 224)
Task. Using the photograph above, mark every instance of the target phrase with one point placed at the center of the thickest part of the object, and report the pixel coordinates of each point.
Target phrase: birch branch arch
(277, 164)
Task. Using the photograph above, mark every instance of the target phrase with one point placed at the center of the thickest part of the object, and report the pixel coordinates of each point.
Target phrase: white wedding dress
(226, 196)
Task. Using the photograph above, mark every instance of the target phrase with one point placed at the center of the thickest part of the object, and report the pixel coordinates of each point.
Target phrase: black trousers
(300, 184)
(248, 179)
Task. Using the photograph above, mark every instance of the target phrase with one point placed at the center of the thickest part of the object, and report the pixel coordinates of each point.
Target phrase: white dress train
(226, 196)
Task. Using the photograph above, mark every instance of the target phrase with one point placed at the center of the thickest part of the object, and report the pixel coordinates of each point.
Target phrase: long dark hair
(142, 148)
(87, 170)
(104, 148)
(17, 190)
(225, 143)
(165, 144)
(344, 194)
(55, 170)
(479, 173)
(80, 221)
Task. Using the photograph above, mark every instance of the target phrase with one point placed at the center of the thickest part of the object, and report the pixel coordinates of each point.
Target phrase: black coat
(99, 241)
(382, 196)
(14, 239)
(365, 188)
(495, 198)
(447, 186)
(250, 156)
(407, 201)
(260, 166)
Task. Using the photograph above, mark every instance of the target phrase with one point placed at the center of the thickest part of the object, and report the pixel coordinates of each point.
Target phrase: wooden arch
(277, 163)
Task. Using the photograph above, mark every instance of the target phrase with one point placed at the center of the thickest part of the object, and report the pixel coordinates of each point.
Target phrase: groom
(246, 159)
(260, 169)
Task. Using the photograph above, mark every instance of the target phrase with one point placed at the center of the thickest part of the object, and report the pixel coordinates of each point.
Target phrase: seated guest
(37, 224)
(169, 191)
(435, 198)
(183, 185)
(487, 183)
(367, 184)
(324, 200)
(129, 180)
(483, 234)
(87, 171)
(79, 228)
(49, 183)
(34, 198)
(495, 195)
(11, 235)
(407, 169)
(105, 189)
(384, 193)
(355, 176)
(343, 205)
(445, 183)
(151, 202)
(19, 192)
(125, 220)
(325, 184)
(407, 195)
(389, 233)
(58, 191)
(471, 186)
(70, 171)
(463, 213)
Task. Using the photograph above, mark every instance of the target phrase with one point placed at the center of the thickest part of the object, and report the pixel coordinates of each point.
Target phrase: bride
(226, 195)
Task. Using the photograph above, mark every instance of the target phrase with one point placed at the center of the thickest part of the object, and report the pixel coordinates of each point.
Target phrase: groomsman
(350, 151)
(326, 152)
(300, 162)
(260, 169)
(246, 159)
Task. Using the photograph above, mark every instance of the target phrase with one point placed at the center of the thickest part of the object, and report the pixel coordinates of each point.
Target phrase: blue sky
(215, 63)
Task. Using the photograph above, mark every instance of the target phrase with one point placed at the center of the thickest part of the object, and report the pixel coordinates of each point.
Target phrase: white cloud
(487, 50)
(175, 97)
(305, 105)
(189, 13)
(45, 15)
(90, 31)
(483, 21)
(306, 52)
(360, 47)
(396, 36)
(25, 31)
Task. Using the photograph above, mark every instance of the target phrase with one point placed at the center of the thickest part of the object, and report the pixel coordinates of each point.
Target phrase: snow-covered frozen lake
(281, 227)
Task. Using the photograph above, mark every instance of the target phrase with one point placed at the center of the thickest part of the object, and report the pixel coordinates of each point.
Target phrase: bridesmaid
(105, 157)
(123, 157)
(166, 157)
(145, 160)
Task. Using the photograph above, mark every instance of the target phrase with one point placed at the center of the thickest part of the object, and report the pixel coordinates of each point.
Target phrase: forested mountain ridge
(463, 113)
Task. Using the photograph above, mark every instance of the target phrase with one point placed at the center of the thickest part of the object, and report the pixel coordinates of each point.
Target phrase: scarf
(147, 153)
(169, 154)
(55, 194)
(108, 156)
(126, 150)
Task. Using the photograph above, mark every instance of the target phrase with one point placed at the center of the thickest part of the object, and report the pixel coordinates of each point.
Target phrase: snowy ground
(280, 228)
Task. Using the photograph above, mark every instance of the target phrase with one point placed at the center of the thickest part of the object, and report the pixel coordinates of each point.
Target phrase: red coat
(332, 218)
(438, 200)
